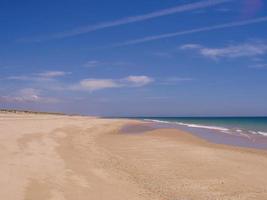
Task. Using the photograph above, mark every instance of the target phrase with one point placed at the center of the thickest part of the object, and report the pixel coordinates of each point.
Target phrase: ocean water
(229, 125)
(248, 132)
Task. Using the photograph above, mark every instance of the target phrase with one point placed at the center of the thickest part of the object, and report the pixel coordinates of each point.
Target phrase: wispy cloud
(190, 46)
(22, 78)
(43, 76)
(259, 66)
(131, 19)
(126, 82)
(99, 84)
(99, 63)
(250, 49)
(92, 63)
(187, 32)
(29, 95)
(138, 80)
(175, 80)
(53, 74)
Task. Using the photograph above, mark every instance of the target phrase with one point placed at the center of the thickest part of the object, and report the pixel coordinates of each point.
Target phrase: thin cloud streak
(99, 84)
(29, 95)
(248, 49)
(43, 76)
(203, 29)
(131, 19)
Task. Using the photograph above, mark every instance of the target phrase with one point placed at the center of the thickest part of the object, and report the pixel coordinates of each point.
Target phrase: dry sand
(50, 157)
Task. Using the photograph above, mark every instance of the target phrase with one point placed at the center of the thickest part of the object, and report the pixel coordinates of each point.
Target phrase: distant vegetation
(29, 112)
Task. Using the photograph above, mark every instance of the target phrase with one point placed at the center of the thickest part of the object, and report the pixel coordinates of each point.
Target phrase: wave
(258, 133)
(217, 128)
(190, 125)
(204, 126)
(262, 133)
(159, 121)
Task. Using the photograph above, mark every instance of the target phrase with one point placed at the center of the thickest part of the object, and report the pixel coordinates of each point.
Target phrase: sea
(237, 131)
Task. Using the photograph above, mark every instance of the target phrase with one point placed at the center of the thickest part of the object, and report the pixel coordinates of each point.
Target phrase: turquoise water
(248, 132)
(246, 125)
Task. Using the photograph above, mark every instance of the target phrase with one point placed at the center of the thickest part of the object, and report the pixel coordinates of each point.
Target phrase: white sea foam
(190, 125)
(159, 121)
(218, 128)
(253, 132)
(262, 133)
(258, 133)
(204, 126)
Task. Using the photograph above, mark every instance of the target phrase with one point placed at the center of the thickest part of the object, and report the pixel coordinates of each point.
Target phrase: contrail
(203, 29)
(131, 19)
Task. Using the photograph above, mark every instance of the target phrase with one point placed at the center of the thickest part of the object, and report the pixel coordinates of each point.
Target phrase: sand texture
(57, 157)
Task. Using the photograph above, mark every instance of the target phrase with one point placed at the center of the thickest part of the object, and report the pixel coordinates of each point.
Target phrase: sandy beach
(57, 157)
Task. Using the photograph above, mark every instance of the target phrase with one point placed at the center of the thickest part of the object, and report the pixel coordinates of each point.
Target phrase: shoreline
(139, 128)
(214, 136)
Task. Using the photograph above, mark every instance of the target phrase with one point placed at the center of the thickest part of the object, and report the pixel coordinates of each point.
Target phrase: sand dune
(57, 157)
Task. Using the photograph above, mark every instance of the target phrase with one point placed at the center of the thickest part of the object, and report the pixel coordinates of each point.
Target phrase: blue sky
(135, 58)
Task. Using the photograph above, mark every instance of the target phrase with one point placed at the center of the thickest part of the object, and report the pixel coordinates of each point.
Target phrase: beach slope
(57, 157)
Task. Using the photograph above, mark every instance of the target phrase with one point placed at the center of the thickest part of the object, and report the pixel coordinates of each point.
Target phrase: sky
(134, 58)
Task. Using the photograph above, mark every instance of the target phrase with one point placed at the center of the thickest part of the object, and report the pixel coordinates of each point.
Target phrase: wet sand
(241, 140)
(71, 158)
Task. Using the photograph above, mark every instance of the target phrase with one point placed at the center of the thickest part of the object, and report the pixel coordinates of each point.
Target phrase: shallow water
(229, 131)
(243, 125)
